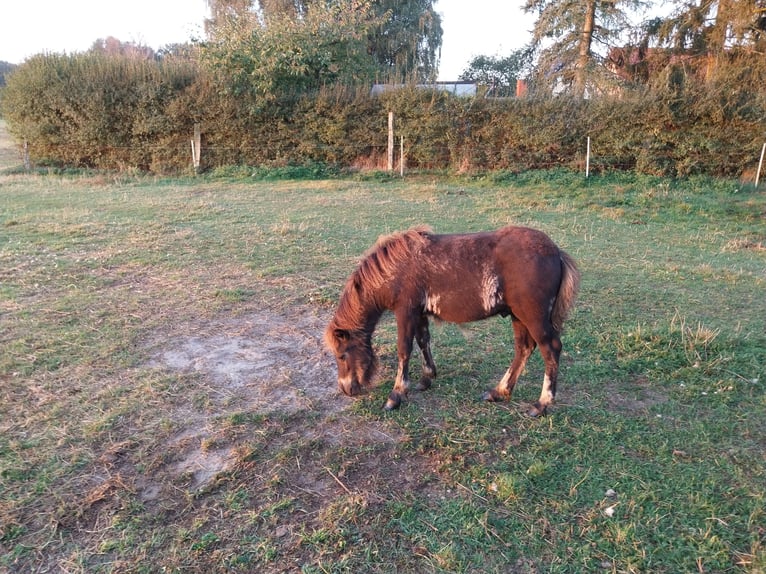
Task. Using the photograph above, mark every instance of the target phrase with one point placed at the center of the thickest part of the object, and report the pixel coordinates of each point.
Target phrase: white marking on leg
(502, 386)
(546, 396)
(402, 382)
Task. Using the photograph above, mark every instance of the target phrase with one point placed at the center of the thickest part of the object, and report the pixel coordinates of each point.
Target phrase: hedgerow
(117, 112)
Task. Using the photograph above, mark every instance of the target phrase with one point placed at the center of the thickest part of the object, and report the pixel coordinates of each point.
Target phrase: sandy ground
(260, 363)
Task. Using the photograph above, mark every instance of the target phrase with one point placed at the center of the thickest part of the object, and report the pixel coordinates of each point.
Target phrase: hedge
(117, 113)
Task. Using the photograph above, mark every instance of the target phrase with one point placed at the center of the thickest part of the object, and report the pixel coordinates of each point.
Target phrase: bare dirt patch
(636, 396)
(261, 363)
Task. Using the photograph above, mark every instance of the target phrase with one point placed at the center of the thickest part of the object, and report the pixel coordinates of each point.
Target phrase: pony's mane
(382, 260)
(377, 266)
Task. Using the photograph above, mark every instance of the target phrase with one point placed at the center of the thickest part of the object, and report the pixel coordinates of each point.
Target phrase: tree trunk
(717, 39)
(584, 55)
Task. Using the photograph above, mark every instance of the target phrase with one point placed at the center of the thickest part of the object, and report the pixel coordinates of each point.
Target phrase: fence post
(587, 160)
(390, 141)
(760, 165)
(27, 163)
(196, 147)
(401, 158)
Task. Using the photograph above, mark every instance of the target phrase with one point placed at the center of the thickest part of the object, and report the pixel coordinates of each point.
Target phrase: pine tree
(564, 35)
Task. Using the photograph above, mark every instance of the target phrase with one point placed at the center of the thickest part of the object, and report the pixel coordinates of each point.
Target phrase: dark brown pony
(514, 271)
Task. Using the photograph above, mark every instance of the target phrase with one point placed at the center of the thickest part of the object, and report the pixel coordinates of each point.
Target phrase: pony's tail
(570, 284)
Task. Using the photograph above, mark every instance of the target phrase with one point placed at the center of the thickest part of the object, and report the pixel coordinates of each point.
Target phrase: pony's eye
(342, 357)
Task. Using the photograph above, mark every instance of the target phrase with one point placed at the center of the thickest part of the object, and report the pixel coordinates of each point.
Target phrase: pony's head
(354, 356)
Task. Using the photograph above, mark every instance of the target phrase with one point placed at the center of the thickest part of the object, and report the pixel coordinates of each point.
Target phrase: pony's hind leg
(550, 349)
(524, 345)
(423, 337)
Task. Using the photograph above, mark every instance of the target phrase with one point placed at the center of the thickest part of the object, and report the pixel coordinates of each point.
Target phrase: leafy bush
(95, 110)
(115, 112)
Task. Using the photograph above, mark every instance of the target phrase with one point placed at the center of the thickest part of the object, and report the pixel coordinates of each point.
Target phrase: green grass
(661, 394)
(9, 155)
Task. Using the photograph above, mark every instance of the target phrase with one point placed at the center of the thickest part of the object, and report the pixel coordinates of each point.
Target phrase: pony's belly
(461, 310)
(466, 297)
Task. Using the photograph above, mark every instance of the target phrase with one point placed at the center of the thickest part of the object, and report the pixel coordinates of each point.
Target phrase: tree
(113, 47)
(290, 56)
(229, 18)
(408, 43)
(5, 68)
(497, 73)
(710, 40)
(711, 26)
(564, 35)
(405, 42)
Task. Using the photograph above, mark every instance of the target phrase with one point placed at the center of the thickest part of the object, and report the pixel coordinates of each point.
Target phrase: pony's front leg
(524, 345)
(405, 334)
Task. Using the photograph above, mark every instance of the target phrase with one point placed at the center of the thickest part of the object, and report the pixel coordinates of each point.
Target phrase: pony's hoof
(393, 402)
(493, 396)
(538, 410)
(424, 384)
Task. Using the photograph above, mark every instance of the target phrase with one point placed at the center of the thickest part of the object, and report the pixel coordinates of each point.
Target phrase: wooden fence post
(401, 158)
(390, 141)
(760, 165)
(27, 163)
(196, 145)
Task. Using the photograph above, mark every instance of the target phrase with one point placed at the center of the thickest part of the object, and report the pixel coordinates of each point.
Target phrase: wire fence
(407, 156)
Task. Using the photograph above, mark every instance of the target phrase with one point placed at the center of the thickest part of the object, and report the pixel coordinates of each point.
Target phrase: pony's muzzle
(349, 386)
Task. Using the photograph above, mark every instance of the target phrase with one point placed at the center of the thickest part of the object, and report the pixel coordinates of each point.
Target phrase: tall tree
(290, 56)
(715, 38)
(406, 43)
(711, 26)
(229, 18)
(498, 74)
(565, 33)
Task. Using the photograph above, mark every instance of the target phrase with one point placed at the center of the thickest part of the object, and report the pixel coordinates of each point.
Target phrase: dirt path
(9, 154)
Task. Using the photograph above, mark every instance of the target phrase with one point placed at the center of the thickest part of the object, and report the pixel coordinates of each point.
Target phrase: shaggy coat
(514, 272)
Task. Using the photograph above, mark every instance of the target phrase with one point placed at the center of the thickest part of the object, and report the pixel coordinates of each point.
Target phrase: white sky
(471, 27)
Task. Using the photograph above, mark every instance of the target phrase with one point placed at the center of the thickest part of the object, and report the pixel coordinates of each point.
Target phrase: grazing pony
(514, 271)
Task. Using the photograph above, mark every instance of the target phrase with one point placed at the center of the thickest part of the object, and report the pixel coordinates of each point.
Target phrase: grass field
(9, 155)
(165, 404)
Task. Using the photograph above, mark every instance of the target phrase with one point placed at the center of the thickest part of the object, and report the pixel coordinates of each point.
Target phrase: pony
(514, 272)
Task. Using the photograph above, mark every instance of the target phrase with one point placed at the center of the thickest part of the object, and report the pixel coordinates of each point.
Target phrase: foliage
(407, 43)
(290, 57)
(564, 33)
(5, 69)
(498, 74)
(286, 94)
(403, 39)
(712, 26)
(95, 110)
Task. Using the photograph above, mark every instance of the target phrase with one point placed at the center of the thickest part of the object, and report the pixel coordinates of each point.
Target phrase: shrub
(118, 112)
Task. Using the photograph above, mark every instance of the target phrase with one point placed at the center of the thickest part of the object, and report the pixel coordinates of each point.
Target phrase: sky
(471, 27)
